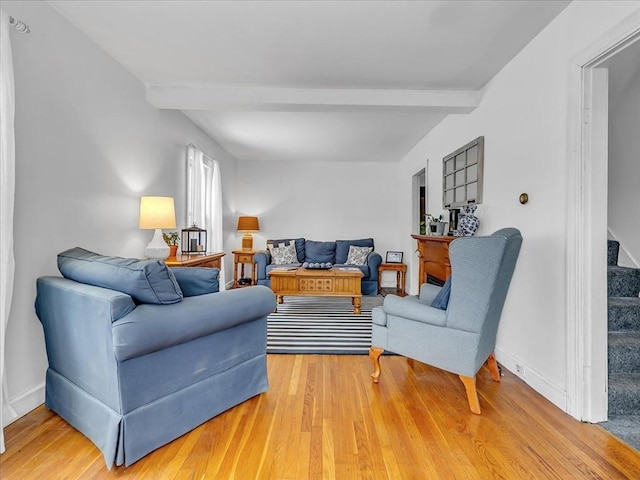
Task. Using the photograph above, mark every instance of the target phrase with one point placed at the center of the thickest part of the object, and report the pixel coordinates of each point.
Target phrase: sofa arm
(373, 260)
(412, 309)
(77, 320)
(262, 259)
(150, 328)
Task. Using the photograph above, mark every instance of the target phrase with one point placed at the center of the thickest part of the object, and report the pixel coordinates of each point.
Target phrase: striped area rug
(325, 325)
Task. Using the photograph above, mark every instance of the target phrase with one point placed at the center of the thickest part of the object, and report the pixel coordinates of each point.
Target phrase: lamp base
(247, 241)
(157, 249)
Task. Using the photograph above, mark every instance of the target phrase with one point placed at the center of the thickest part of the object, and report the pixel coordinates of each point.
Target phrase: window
(204, 199)
(462, 175)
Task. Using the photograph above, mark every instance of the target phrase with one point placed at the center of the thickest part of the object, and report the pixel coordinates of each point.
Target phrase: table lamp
(157, 213)
(248, 225)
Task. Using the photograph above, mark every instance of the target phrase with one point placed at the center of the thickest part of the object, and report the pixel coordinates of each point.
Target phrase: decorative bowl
(317, 266)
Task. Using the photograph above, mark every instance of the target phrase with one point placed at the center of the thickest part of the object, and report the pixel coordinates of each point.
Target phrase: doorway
(419, 208)
(586, 271)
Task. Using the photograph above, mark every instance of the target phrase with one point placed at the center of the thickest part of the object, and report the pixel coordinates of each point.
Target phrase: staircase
(623, 288)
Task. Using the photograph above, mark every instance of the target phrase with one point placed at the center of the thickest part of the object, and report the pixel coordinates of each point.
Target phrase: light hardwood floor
(323, 419)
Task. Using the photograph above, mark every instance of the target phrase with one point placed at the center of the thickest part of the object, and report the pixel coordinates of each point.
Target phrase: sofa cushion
(358, 255)
(442, 298)
(282, 254)
(320, 252)
(147, 281)
(195, 281)
(298, 242)
(342, 247)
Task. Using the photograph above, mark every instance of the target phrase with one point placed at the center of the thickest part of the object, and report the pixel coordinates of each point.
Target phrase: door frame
(586, 273)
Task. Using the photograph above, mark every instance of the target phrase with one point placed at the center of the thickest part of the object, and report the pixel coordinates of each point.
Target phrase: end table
(240, 257)
(401, 278)
(209, 260)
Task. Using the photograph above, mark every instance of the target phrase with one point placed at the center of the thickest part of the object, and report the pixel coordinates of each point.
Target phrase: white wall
(523, 117)
(624, 154)
(87, 147)
(322, 201)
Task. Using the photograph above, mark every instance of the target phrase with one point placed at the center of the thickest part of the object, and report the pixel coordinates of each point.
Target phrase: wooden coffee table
(334, 282)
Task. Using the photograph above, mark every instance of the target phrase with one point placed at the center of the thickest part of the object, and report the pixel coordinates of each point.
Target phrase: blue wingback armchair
(458, 334)
(140, 354)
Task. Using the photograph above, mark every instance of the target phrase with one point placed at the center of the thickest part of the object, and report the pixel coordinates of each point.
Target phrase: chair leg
(374, 355)
(472, 394)
(492, 365)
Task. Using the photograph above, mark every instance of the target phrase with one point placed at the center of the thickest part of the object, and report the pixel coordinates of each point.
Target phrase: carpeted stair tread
(623, 286)
(624, 314)
(624, 352)
(623, 281)
(626, 428)
(613, 247)
(624, 393)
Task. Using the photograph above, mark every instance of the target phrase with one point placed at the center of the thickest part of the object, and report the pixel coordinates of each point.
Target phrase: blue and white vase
(469, 223)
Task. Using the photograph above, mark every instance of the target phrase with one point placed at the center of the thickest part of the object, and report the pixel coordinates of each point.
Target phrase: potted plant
(172, 239)
(436, 225)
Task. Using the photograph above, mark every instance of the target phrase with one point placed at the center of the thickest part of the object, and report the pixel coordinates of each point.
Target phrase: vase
(469, 223)
(173, 250)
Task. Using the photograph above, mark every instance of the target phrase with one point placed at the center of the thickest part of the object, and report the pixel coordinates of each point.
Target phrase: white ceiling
(313, 80)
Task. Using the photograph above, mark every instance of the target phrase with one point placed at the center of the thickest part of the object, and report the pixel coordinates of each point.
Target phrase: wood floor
(323, 419)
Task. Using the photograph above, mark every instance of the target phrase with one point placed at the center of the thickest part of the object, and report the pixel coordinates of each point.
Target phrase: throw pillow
(442, 298)
(196, 281)
(283, 254)
(147, 281)
(298, 242)
(342, 247)
(358, 255)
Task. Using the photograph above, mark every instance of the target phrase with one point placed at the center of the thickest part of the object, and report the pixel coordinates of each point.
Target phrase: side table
(209, 260)
(401, 277)
(240, 258)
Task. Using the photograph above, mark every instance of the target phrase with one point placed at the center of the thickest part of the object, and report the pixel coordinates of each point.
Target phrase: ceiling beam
(206, 97)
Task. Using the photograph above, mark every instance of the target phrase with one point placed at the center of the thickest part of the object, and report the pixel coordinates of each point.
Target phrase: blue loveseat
(335, 252)
(140, 354)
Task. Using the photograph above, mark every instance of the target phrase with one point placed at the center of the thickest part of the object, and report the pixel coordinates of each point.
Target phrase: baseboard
(554, 393)
(24, 403)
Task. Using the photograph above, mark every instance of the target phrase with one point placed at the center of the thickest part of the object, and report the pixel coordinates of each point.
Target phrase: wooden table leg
(356, 305)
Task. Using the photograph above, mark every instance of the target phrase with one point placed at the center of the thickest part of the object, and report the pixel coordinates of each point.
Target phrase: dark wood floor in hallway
(324, 419)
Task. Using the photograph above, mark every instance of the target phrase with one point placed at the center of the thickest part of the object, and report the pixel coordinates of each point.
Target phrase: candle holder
(194, 240)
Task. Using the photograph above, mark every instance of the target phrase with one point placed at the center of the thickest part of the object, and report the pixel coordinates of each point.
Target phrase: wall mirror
(462, 175)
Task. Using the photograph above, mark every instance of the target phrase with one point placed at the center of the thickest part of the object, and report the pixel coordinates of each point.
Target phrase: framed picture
(394, 257)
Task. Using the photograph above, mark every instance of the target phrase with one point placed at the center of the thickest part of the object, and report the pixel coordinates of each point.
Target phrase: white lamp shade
(157, 212)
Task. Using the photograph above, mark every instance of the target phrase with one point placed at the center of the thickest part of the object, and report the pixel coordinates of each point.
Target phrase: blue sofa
(140, 354)
(335, 252)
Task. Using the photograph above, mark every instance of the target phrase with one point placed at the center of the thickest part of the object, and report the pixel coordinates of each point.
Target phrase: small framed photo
(394, 257)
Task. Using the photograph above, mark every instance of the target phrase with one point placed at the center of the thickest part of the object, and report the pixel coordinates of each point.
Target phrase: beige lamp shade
(157, 213)
(248, 224)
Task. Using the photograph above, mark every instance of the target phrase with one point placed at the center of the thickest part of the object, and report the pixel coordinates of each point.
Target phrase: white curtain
(7, 189)
(204, 199)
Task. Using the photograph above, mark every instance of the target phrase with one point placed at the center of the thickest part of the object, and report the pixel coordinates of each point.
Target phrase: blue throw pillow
(442, 298)
(196, 281)
(147, 281)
